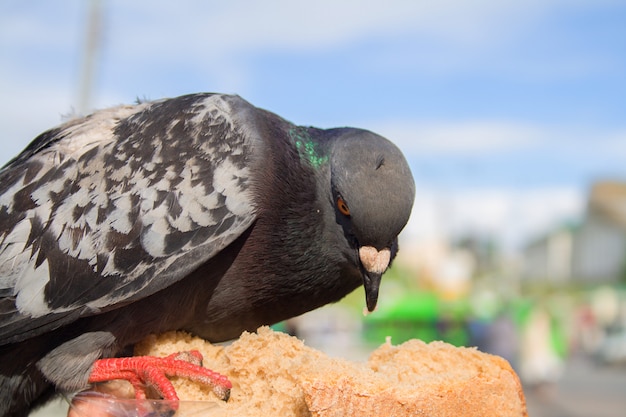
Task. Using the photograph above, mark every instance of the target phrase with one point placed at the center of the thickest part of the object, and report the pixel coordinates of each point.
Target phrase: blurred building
(550, 258)
(600, 250)
(440, 266)
(591, 252)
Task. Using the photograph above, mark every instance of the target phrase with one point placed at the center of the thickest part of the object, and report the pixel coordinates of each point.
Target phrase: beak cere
(373, 260)
(374, 263)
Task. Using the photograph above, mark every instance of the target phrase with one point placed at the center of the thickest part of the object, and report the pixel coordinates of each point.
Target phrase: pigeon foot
(145, 372)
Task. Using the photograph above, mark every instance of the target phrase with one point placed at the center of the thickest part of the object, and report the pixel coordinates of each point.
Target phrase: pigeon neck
(308, 149)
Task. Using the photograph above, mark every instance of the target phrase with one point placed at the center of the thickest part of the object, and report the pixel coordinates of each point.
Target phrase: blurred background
(512, 115)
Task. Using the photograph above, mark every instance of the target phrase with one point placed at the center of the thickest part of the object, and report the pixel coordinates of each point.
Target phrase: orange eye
(343, 207)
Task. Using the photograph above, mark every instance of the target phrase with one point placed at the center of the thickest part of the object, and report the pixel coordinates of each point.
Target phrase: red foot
(143, 371)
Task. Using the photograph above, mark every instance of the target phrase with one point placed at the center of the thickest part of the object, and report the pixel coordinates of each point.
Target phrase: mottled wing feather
(119, 205)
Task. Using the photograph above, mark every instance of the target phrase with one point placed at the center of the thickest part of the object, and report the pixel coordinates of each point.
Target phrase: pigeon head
(372, 195)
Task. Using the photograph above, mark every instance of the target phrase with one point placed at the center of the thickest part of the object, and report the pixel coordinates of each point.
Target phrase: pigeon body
(201, 213)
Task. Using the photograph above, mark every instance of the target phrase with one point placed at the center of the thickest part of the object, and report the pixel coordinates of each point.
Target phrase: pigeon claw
(144, 372)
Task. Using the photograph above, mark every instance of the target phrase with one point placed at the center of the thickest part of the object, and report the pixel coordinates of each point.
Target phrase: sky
(507, 111)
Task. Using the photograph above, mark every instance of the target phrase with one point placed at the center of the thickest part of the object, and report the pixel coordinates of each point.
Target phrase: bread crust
(276, 374)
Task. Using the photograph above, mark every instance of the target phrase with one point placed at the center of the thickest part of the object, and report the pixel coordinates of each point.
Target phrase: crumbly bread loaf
(274, 374)
(419, 379)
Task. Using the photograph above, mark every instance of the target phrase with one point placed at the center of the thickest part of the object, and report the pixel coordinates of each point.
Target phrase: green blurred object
(413, 306)
(418, 315)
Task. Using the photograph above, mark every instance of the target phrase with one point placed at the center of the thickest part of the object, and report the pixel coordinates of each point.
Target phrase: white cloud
(27, 114)
(218, 37)
(453, 137)
(615, 143)
(298, 24)
(487, 137)
(510, 216)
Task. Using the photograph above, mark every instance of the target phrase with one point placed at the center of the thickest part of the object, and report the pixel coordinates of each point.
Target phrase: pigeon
(200, 213)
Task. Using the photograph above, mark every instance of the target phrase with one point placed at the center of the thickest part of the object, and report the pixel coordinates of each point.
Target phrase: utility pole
(93, 37)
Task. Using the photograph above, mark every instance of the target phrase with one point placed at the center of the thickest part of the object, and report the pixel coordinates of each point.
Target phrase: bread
(274, 374)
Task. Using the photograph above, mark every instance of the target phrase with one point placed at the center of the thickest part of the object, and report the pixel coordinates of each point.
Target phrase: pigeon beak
(374, 263)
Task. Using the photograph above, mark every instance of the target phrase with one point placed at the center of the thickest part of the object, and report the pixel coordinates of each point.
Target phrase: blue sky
(506, 110)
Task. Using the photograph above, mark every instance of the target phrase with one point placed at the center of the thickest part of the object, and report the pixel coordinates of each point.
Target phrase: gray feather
(130, 216)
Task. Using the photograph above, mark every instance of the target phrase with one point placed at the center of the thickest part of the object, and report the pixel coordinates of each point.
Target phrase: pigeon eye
(343, 207)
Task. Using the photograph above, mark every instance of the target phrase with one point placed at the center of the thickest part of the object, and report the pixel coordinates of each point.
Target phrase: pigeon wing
(118, 205)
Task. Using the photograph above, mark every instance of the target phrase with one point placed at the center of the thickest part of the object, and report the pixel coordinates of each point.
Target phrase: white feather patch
(226, 181)
(29, 289)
